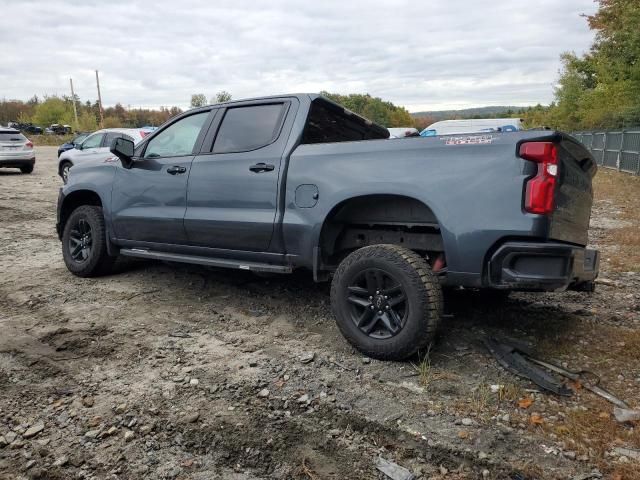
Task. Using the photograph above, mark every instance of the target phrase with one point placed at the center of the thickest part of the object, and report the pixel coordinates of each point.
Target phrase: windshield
(79, 138)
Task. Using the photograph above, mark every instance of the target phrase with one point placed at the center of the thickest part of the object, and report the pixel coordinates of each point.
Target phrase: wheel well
(75, 200)
(378, 219)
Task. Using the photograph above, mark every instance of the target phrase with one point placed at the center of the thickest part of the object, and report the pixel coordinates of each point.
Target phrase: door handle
(176, 170)
(261, 167)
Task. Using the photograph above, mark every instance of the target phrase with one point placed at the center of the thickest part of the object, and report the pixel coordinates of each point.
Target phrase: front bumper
(543, 267)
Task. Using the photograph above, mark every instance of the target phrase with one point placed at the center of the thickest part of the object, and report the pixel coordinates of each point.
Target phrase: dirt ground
(178, 372)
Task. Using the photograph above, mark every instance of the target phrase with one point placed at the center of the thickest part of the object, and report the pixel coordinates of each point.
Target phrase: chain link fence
(618, 150)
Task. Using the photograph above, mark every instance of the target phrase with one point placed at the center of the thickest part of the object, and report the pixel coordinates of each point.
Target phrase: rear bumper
(543, 267)
(16, 162)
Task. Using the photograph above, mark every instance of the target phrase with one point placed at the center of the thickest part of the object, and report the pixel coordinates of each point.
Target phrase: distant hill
(478, 112)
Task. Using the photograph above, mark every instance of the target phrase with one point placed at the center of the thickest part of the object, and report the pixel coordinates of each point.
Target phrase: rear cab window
(247, 128)
(329, 122)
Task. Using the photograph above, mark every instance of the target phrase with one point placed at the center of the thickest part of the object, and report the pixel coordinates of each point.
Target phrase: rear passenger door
(233, 185)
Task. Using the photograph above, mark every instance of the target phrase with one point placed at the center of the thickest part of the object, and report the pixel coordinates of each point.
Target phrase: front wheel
(386, 301)
(64, 172)
(84, 243)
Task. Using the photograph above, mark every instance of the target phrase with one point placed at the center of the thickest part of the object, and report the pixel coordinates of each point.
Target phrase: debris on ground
(628, 452)
(393, 470)
(626, 415)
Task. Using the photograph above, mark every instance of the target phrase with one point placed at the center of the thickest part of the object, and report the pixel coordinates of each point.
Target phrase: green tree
(87, 121)
(374, 108)
(221, 97)
(600, 89)
(53, 110)
(198, 100)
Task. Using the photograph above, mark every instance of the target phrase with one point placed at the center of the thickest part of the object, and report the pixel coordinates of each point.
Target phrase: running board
(209, 261)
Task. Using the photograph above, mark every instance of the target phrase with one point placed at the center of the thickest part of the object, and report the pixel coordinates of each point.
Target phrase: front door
(149, 199)
(233, 187)
(91, 148)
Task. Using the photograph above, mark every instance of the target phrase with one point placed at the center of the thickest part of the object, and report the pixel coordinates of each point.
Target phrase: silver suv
(16, 151)
(95, 147)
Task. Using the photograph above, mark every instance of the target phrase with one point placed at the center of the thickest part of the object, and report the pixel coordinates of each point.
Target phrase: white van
(474, 125)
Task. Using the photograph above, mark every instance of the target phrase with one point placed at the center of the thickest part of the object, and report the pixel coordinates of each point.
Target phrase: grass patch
(49, 140)
(623, 191)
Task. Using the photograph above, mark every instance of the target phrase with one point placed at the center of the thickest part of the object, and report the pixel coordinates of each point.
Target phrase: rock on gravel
(92, 433)
(61, 461)
(264, 393)
(307, 357)
(34, 430)
(191, 417)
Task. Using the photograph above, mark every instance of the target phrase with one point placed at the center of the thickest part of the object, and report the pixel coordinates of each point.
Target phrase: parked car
(402, 132)
(298, 182)
(16, 151)
(94, 147)
(57, 129)
(73, 143)
(474, 125)
(26, 128)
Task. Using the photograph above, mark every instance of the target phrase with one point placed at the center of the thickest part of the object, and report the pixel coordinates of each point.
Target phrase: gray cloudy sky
(423, 55)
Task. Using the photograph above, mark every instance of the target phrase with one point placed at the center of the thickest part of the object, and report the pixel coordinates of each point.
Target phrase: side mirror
(123, 149)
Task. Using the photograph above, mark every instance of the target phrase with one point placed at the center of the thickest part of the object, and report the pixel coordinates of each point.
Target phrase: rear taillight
(540, 190)
(28, 145)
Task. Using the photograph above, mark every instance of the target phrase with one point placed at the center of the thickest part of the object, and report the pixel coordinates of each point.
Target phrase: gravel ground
(178, 372)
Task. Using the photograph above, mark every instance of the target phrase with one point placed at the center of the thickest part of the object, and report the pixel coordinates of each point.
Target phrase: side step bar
(209, 261)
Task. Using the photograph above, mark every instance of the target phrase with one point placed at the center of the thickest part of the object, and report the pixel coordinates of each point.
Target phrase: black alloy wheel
(80, 240)
(378, 303)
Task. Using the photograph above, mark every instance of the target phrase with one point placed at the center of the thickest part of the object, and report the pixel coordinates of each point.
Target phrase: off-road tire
(98, 261)
(423, 296)
(26, 169)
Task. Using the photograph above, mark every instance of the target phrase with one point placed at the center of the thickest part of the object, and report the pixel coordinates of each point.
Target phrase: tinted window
(177, 139)
(93, 141)
(328, 122)
(12, 137)
(248, 128)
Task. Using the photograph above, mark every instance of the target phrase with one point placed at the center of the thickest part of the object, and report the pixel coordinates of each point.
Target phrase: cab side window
(177, 139)
(249, 128)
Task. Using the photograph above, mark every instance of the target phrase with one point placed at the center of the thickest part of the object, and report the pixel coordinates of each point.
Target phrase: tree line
(59, 109)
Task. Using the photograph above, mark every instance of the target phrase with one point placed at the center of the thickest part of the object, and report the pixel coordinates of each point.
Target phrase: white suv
(95, 147)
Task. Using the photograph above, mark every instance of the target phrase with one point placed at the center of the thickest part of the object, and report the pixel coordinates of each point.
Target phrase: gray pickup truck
(299, 182)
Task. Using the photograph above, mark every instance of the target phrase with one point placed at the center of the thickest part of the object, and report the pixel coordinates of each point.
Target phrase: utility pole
(100, 101)
(73, 98)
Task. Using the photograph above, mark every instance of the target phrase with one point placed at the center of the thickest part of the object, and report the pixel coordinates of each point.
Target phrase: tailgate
(574, 192)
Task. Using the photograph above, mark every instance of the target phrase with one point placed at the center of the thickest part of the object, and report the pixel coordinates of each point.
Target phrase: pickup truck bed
(281, 183)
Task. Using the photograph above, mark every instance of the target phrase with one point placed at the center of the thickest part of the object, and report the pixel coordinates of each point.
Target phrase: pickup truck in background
(298, 182)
